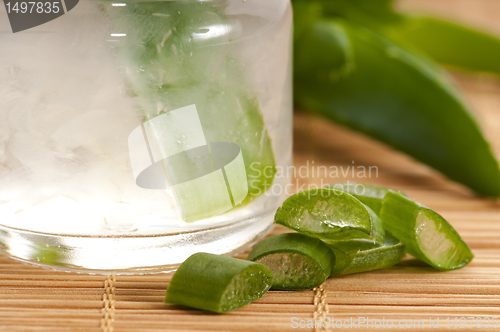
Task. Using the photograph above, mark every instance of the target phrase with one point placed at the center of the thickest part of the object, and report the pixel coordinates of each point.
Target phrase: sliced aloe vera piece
(368, 194)
(172, 57)
(354, 257)
(427, 235)
(218, 283)
(345, 251)
(353, 245)
(389, 254)
(296, 261)
(342, 261)
(329, 214)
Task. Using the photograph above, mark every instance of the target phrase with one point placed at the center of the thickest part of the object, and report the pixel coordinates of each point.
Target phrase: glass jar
(136, 133)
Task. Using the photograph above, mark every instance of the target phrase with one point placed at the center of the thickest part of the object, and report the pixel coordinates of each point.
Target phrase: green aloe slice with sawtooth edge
(329, 215)
(168, 66)
(427, 235)
(296, 261)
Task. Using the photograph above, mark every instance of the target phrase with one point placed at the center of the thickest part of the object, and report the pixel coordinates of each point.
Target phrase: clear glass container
(136, 133)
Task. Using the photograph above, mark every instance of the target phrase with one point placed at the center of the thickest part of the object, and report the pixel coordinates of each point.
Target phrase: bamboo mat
(36, 299)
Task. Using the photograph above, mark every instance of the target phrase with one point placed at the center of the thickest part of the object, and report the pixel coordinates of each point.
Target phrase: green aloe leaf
(393, 95)
(444, 41)
(449, 43)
